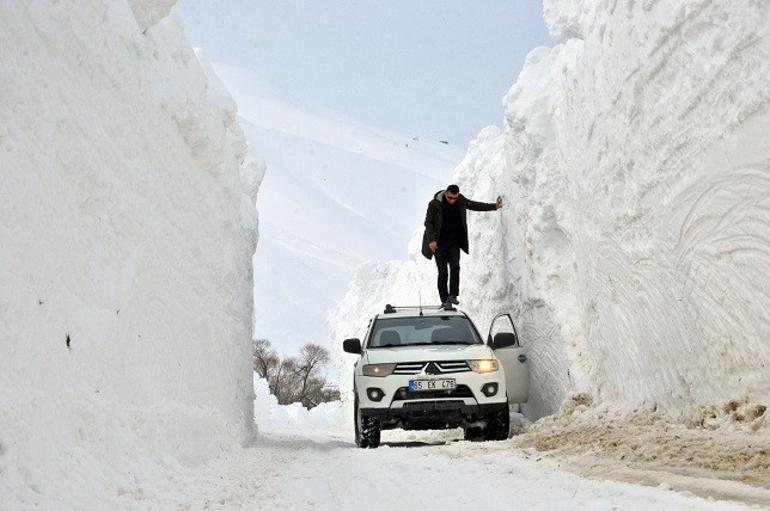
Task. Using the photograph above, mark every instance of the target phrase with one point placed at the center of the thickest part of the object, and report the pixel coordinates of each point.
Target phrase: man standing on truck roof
(446, 232)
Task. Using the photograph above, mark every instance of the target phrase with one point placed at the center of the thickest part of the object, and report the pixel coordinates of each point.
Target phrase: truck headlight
(486, 365)
(378, 369)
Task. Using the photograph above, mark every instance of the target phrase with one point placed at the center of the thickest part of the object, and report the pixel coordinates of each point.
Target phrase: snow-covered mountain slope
(337, 193)
(634, 248)
(127, 235)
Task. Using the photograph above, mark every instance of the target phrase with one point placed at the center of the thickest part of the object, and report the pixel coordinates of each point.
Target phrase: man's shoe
(453, 299)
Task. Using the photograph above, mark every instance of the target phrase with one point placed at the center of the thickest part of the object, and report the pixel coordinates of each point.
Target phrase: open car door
(504, 340)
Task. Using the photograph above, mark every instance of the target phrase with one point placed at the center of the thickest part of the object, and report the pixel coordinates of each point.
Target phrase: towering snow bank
(125, 248)
(635, 245)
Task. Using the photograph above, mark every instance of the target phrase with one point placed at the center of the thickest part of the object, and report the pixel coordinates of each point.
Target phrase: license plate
(419, 385)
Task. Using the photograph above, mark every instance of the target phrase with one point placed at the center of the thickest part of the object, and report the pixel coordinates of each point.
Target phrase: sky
(435, 69)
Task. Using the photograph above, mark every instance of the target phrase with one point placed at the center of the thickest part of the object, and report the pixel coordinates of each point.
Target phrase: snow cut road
(436, 472)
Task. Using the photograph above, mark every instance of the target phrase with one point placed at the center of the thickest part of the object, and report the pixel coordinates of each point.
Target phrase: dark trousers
(448, 254)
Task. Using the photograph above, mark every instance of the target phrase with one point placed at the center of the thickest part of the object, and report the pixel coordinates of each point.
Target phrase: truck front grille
(442, 367)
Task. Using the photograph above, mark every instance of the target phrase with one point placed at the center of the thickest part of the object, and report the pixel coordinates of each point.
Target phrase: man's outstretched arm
(484, 206)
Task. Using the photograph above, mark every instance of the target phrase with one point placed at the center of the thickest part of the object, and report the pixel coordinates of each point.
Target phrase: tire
(367, 429)
(473, 433)
(498, 425)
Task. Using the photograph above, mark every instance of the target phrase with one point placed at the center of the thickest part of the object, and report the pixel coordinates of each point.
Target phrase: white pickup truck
(428, 368)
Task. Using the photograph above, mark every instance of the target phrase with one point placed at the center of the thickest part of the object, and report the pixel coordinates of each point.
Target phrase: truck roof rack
(391, 309)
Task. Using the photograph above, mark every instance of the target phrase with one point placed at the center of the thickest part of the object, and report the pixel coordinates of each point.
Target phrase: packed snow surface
(307, 460)
(319, 470)
(634, 245)
(127, 200)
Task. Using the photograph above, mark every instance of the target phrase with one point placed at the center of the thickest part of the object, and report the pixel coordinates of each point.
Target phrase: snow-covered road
(327, 471)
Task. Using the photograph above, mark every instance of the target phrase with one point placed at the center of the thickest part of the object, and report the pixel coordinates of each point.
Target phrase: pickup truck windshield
(424, 330)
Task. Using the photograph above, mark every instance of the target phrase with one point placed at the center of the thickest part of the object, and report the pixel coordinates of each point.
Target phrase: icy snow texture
(125, 232)
(634, 248)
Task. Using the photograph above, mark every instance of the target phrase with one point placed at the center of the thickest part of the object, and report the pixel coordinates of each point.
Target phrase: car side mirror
(503, 340)
(352, 346)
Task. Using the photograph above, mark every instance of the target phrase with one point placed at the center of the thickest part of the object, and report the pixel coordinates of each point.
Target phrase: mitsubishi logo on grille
(432, 369)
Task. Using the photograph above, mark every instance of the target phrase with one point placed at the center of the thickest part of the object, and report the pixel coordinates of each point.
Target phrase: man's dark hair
(453, 189)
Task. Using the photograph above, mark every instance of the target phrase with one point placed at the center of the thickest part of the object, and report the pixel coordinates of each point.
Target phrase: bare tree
(312, 359)
(292, 379)
(265, 359)
(284, 384)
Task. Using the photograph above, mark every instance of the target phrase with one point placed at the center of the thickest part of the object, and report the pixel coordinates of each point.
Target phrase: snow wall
(634, 246)
(128, 229)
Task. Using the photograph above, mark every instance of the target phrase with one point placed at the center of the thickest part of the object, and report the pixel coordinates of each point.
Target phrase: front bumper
(390, 385)
(465, 405)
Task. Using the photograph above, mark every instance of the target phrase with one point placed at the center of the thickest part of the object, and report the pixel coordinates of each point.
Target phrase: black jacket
(433, 220)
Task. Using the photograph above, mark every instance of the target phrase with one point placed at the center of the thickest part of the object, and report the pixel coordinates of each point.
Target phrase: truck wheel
(367, 429)
(473, 433)
(498, 425)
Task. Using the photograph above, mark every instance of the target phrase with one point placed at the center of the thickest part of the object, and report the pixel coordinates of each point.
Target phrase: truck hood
(428, 353)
